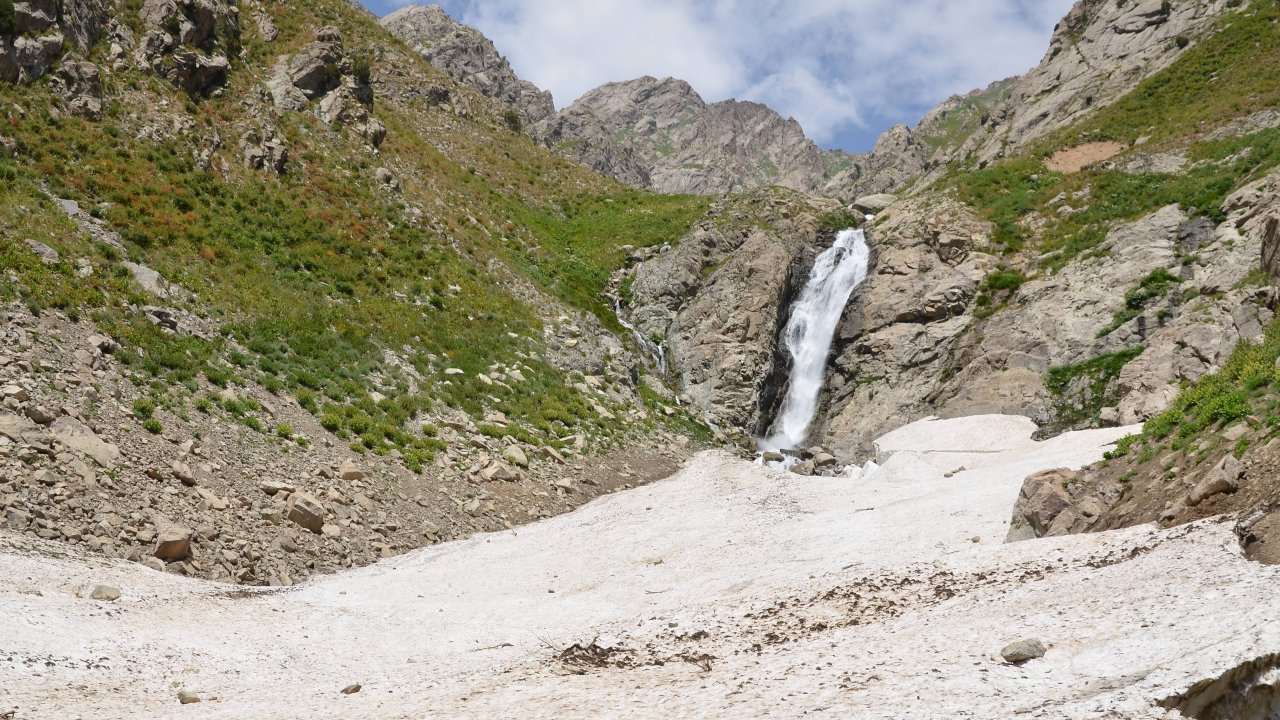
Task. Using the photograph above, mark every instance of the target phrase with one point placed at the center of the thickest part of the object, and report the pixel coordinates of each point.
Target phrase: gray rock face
(899, 156)
(1100, 51)
(581, 135)
(468, 56)
(42, 28)
(80, 85)
(717, 297)
(311, 73)
(1043, 498)
(322, 71)
(684, 144)
(1271, 248)
(187, 41)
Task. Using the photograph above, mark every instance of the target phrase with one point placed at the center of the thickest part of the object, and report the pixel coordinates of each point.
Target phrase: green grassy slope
(312, 277)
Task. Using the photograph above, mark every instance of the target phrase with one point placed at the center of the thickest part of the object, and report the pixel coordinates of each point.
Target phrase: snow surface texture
(728, 590)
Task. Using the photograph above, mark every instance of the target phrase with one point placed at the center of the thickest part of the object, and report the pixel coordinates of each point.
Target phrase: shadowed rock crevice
(1248, 691)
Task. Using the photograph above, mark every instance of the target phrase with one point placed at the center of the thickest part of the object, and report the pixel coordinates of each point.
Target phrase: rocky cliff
(719, 299)
(1099, 52)
(469, 57)
(683, 144)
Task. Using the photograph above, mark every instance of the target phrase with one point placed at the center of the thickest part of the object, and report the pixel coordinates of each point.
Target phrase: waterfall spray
(810, 331)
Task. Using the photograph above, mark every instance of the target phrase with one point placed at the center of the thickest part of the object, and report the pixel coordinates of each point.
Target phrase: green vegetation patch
(1248, 385)
(580, 243)
(1229, 73)
(997, 290)
(1156, 285)
(1080, 390)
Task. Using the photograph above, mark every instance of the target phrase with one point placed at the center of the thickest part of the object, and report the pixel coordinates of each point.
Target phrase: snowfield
(729, 590)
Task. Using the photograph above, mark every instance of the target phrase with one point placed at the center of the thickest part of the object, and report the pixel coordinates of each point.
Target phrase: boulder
(79, 438)
(306, 511)
(1023, 650)
(183, 472)
(349, 472)
(1223, 478)
(173, 542)
(1042, 499)
(47, 255)
(873, 204)
(105, 593)
(514, 455)
(500, 472)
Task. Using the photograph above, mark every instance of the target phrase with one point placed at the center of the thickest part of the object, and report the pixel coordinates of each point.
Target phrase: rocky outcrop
(913, 342)
(263, 148)
(468, 56)
(719, 298)
(581, 135)
(1099, 52)
(902, 325)
(684, 144)
(41, 31)
(80, 85)
(189, 42)
(898, 157)
(322, 71)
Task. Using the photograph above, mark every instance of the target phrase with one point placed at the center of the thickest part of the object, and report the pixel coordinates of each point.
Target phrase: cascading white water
(810, 330)
(656, 350)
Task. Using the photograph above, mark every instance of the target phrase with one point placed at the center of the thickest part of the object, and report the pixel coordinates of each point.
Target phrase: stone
(15, 392)
(306, 511)
(105, 593)
(351, 689)
(213, 501)
(806, 468)
(771, 456)
(514, 455)
(824, 460)
(348, 471)
(186, 697)
(183, 472)
(173, 543)
(500, 472)
(275, 487)
(1223, 478)
(149, 279)
(39, 415)
(47, 255)
(1231, 434)
(1041, 500)
(78, 437)
(1022, 651)
(873, 204)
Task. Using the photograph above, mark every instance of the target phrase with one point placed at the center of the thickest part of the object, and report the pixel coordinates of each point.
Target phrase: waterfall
(810, 330)
(654, 349)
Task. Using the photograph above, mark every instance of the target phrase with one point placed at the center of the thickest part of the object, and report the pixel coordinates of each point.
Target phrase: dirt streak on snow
(729, 589)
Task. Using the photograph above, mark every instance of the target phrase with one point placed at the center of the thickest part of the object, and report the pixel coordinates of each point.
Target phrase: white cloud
(832, 64)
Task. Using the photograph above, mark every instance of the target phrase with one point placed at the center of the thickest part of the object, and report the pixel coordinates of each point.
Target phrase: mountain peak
(466, 55)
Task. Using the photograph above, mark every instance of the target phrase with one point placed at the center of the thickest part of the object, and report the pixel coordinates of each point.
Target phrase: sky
(845, 69)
